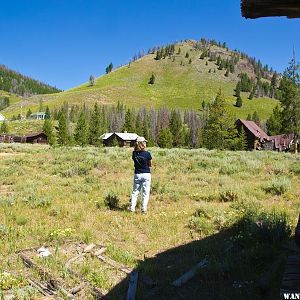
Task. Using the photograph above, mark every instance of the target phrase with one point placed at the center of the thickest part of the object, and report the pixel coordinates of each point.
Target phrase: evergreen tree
(176, 128)
(190, 61)
(290, 99)
(63, 136)
(95, 130)
(179, 51)
(139, 126)
(274, 123)
(249, 117)
(47, 113)
(239, 102)
(206, 63)
(227, 72)
(220, 131)
(4, 127)
(109, 68)
(48, 130)
(128, 121)
(241, 141)
(238, 90)
(81, 131)
(165, 138)
(152, 79)
(92, 80)
(28, 114)
(255, 118)
(187, 55)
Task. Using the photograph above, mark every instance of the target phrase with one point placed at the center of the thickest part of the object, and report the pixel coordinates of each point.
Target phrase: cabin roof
(253, 9)
(282, 141)
(254, 129)
(125, 136)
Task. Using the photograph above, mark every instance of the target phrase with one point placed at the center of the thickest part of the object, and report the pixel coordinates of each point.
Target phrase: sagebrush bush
(35, 201)
(278, 186)
(111, 201)
(228, 196)
(295, 168)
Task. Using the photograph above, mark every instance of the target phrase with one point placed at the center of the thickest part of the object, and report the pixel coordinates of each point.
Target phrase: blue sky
(62, 42)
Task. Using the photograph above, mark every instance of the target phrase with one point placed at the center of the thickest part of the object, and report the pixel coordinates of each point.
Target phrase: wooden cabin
(33, 138)
(253, 9)
(254, 134)
(121, 139)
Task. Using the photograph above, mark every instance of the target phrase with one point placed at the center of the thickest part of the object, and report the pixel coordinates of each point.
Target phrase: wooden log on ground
(132, 285)
(114, 264)
(190, 274)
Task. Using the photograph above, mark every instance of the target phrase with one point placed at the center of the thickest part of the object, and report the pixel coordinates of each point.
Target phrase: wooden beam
(189, 274)
(253, 9)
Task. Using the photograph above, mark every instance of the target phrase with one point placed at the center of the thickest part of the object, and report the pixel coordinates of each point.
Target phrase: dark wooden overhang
(253, 9)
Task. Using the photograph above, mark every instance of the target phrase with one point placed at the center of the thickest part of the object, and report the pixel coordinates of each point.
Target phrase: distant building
(121, 139)
(2, 118)
(257, 139)
(32, 138)
(38, 116)
(254, 134)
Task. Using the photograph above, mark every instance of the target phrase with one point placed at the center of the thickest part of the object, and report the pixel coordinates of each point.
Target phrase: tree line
(14, 82)
(212, 127)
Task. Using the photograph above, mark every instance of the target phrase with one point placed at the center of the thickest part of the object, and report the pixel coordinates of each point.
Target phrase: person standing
(142, 175)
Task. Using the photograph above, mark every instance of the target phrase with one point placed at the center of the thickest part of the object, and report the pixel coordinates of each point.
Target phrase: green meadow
(236, 209)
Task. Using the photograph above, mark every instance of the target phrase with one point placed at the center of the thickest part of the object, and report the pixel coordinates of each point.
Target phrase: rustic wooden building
(33, 138)
(282, 142)
(254, 134)
(121, 139)
(253, 9)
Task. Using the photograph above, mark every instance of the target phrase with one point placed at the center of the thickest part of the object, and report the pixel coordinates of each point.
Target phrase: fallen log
(190, 274)
(114, 264)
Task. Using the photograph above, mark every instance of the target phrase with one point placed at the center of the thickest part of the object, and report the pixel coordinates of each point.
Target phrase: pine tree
(152, 79)
(165, 138)
(220, 131)
(81, 131)
(48, 130)
(176, 128)
(274, 123)
(128, 121)
(255, 118)
(28, 114)
(249, 117)
(63, 136)
(187, 55)
(239, 102)
(109, 68)
(4, 127)
(190, 61)
(47, 113)
(238, 90)
(227, 72)
(92, 80)
(241, 141)
(179, 51)
(95, 127)
(206, 63)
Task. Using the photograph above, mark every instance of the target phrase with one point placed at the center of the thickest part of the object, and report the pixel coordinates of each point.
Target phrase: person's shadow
(237, 257)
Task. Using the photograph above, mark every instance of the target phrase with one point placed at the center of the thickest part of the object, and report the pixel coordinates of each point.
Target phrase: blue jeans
(143, 181)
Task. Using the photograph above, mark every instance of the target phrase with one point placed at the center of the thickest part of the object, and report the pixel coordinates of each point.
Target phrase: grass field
(235, 208)
(178, 84)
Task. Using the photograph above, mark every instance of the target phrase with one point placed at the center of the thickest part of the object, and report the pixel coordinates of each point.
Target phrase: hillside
(14, 82)
(180, 82)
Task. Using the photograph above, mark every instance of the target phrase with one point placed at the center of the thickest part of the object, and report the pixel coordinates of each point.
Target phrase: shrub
(111, 201)
(21, 220)
(228, 196)
(7, 200)
(201, 225)
(36, 202)
(295, 169)
(278, 186)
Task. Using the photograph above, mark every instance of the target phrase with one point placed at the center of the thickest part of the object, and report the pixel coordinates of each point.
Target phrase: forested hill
(16, 83)
(184, 75)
